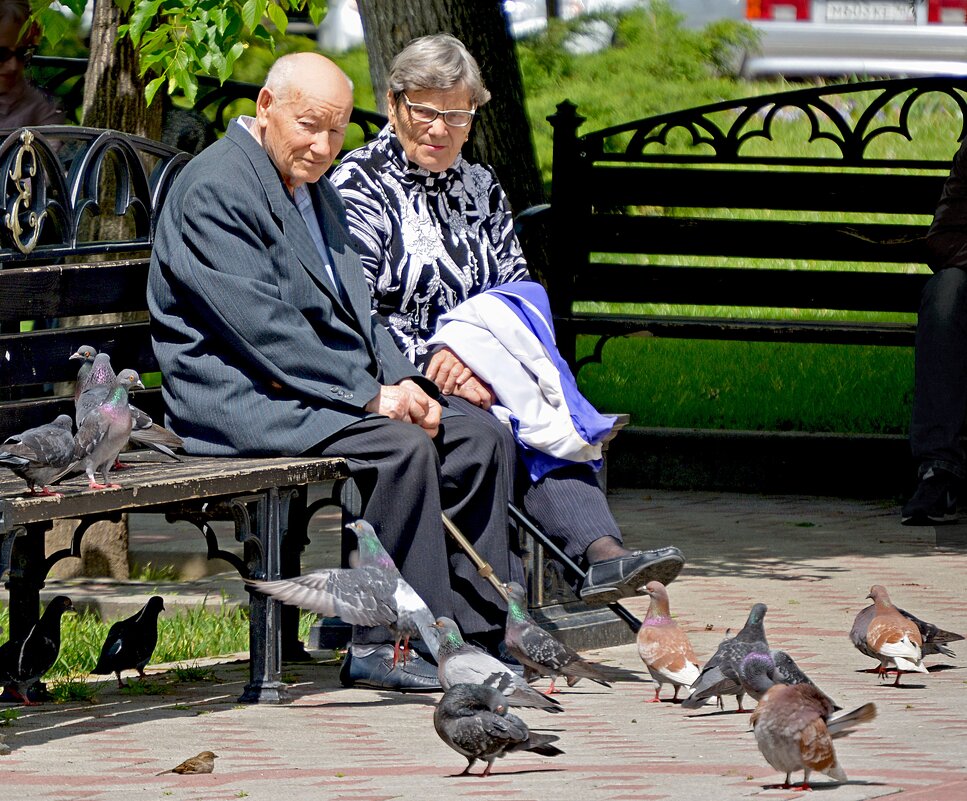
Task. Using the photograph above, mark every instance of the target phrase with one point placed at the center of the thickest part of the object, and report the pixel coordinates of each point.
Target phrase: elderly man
(262, 327)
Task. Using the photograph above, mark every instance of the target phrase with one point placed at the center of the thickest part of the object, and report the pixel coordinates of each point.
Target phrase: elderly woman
(20, 103)
(435, 232)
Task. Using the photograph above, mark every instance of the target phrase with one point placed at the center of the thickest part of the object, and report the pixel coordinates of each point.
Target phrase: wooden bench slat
(43, 356)
(779, 189)
(62, 290)
(739, 286)
(752, 330)
(755, 239)
(154, 483)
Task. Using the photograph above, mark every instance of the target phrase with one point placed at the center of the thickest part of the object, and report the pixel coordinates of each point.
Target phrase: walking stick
(484, 568)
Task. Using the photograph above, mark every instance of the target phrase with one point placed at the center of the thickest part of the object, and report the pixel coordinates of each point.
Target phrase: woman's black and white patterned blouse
(428, 241)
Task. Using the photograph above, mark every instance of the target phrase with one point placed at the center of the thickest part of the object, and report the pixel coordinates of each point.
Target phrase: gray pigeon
(371, 594)
(935, 639)
(758, 672)
(105, 430)
(795, 727)
(473, 720)
(720, 675)
(41, 454)
(459, 662)
(542, 654)
(94, 382)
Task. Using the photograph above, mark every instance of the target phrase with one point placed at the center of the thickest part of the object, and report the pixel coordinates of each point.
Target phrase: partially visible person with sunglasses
(21, 104)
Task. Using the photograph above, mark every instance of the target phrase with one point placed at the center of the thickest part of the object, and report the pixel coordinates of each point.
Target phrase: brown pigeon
(202, 763)
(794, 728)
(891, 637)
(663, 646)
(935, 639)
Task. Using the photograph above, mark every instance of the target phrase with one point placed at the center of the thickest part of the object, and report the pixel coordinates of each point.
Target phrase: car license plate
(859, 11)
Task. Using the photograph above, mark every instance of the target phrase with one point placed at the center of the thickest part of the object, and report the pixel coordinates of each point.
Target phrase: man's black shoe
(612, 579)
(376, 670)
(935, 500)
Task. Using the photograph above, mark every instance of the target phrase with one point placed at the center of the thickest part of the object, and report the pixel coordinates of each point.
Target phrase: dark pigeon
(541, 653)
(935, 639)
(473, 720)
(795, 727)
(131, 642)
(95, 380)
(105, 430)
(720, 674)
(23, 662)
(371, 594)
(40, 455)
(459, 662)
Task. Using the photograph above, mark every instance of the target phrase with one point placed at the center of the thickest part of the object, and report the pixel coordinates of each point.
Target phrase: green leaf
(317, 10)
(199, 31)
(230, 58)
(190, 87)
(252, 13)
(54, 25)
(278, 17)
(141, 18)
(152, 89)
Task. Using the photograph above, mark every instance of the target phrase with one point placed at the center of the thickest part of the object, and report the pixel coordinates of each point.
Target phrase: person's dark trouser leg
(405, 479)
(940, 388)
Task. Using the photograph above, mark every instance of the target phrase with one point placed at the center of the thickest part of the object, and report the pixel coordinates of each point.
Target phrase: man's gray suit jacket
(261, 354)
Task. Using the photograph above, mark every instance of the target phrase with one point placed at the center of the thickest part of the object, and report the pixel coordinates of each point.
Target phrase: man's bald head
(301, 116)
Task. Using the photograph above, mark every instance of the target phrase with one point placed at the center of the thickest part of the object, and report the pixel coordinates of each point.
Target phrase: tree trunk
(502, 135)
(113, 88)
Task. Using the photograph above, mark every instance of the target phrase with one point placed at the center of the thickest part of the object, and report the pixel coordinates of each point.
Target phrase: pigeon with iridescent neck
(371, 594)
(458, 662)
(105, 430)
(663, 646)
(720, 676)
(94, 380)
(541, 653)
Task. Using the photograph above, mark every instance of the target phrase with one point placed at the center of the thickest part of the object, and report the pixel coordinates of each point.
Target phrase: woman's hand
(453, 377)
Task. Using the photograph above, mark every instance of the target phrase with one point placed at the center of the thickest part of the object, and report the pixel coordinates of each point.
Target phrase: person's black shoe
(376, 671)
(935, 500)
(612, 579)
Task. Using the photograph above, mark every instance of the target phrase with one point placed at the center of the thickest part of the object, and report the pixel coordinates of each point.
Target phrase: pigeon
(131, 642)
(40, 455)
(935, 639)
(202, 763)
(23, 662)
(720, 674)
(371, 594)
(94, 382)
(459, 662)
(663, 646)
(891, 637)
(86, 354)
(473, 720)
(758, 672)
(105, 430)
(541, 653)
(795, 727)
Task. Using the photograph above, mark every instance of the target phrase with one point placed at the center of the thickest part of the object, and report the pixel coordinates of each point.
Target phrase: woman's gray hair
(440, 62)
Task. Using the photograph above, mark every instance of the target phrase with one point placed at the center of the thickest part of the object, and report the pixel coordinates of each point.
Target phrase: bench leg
(260, 534)
(26, 580)
(294, 538)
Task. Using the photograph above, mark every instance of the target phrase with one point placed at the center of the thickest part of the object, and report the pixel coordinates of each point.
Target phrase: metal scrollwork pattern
(841, 124)
(22, 210)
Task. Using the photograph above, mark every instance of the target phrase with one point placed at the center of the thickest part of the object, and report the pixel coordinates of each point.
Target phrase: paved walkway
(812, 560)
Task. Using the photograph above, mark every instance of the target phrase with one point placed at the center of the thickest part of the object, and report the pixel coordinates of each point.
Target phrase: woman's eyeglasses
(420, 112)
(22, 54)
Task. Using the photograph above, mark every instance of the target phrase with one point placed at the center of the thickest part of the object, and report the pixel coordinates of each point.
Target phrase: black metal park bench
(796, 213)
